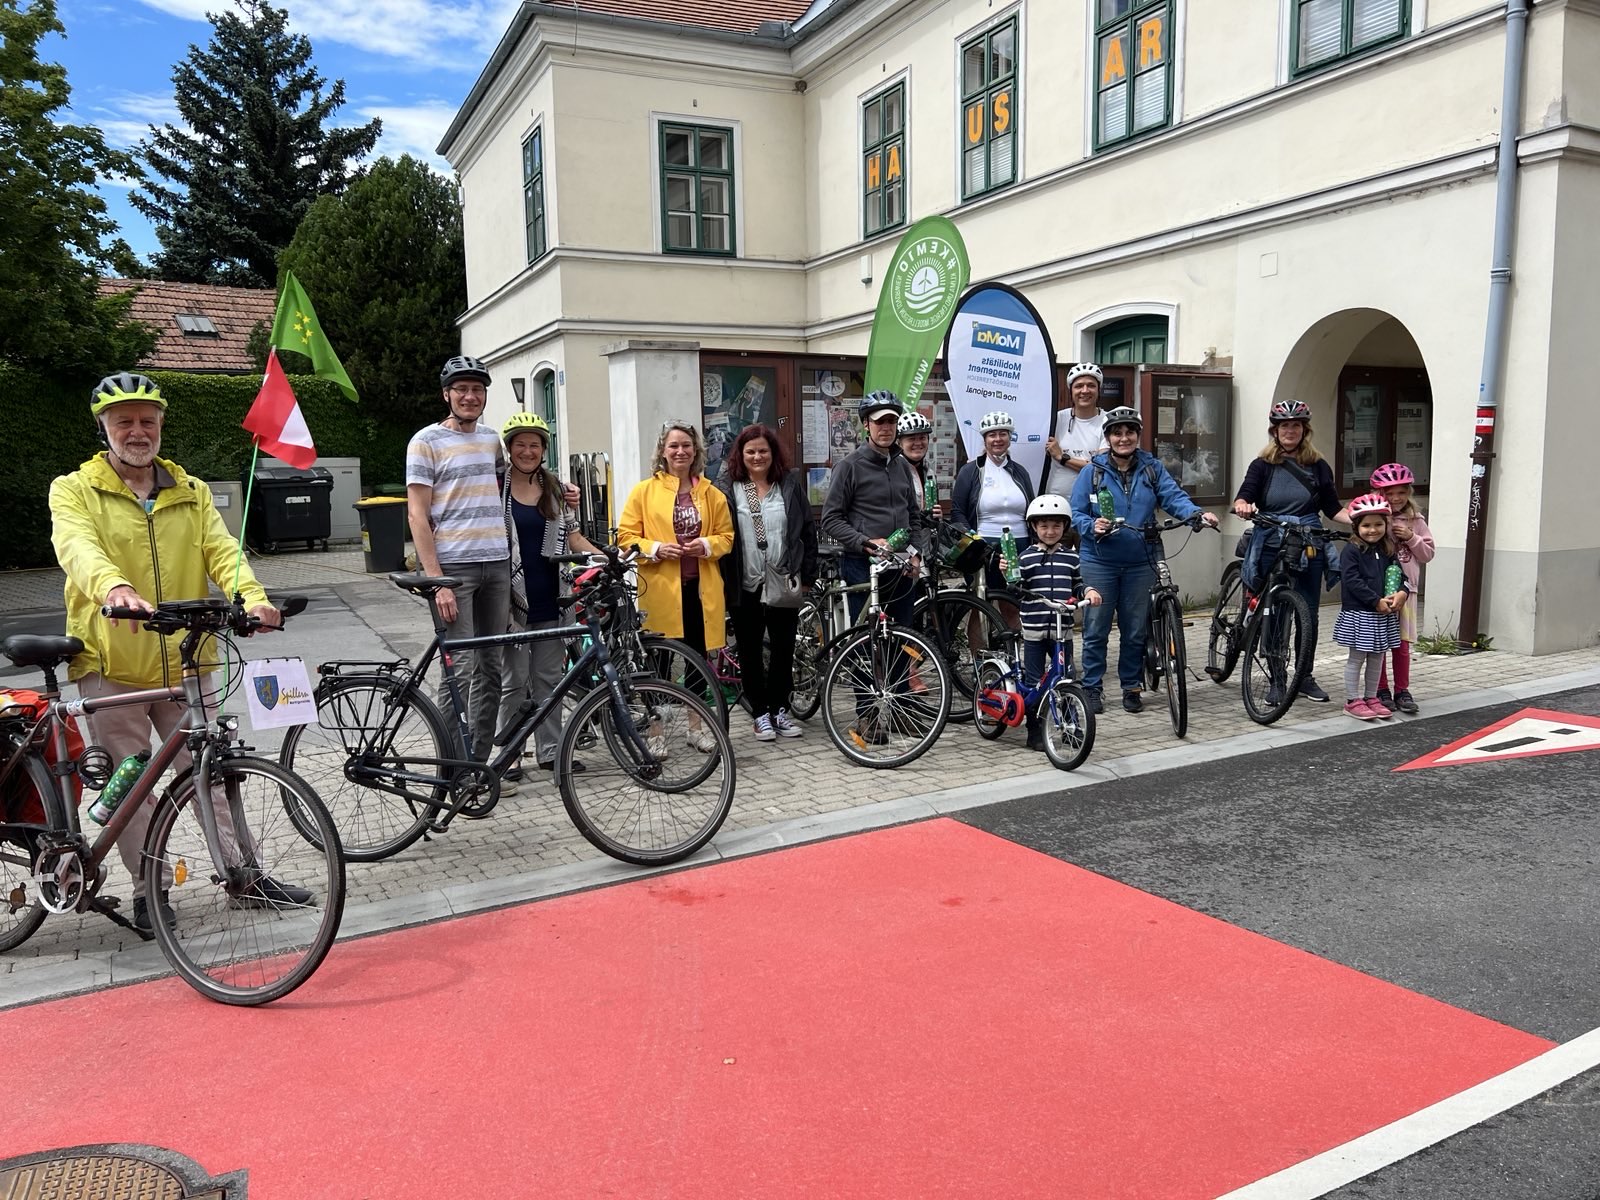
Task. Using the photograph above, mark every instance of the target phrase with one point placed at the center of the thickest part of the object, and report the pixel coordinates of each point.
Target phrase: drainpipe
(1494, 341)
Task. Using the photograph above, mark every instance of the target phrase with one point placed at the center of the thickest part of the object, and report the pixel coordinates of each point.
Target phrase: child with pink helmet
(1374, 591)
(1413, 546)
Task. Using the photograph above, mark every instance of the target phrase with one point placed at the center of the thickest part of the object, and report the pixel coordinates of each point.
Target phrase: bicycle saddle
(421, 585)
(39, 650)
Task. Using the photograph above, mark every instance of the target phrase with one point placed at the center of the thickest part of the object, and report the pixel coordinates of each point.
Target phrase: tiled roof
(234, 312)
(737, 16)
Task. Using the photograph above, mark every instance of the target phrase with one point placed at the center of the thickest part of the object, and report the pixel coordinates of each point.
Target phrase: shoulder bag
(777, 589)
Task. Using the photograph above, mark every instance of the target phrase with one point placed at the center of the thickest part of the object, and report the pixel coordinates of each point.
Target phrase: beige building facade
(1245, 199)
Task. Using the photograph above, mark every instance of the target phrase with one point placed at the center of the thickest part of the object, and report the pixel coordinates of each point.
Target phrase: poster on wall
(999, 358)
(730, 399)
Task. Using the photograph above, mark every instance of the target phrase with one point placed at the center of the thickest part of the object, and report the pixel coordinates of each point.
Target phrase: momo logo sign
(926, 283)
(993, 337)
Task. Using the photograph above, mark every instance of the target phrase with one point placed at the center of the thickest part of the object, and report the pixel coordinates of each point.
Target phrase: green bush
(46, 431)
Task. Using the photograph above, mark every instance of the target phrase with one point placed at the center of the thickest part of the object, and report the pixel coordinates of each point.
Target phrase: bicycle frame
(1060, 667)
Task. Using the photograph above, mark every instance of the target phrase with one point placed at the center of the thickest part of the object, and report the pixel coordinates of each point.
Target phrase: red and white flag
(275, 419)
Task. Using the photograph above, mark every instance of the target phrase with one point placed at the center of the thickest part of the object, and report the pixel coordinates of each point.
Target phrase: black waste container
(383, 533)
(290, 504)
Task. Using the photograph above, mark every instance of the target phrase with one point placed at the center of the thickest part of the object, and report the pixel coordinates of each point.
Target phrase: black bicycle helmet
(463, 367)
(877, 402)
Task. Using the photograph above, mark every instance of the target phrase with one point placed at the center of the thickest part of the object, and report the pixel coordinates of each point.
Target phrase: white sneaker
(656, 744)
(764, 730)
(785, 726)
(703, 740)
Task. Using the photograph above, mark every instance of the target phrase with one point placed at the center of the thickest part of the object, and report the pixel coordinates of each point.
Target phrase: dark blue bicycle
(1001, 700)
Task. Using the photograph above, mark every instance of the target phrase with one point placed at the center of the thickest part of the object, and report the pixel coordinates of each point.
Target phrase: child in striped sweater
(1049, 568)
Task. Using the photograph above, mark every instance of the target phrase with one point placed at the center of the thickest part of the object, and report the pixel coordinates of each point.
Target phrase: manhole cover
(121, 1172)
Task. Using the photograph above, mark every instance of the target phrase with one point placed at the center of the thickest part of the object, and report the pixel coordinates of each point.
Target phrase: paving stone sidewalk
(528, 845)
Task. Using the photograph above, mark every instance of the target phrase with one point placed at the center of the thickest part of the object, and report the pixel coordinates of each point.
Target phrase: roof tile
(234, 311)
(738, 16)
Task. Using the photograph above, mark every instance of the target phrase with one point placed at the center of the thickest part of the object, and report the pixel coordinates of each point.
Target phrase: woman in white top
(992, 493)
(1080, 431)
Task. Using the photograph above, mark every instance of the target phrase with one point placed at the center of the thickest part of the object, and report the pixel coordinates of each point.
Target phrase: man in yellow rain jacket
(133, 529)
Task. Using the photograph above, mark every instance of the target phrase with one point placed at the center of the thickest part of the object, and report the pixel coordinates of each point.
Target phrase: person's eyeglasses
(469, 392)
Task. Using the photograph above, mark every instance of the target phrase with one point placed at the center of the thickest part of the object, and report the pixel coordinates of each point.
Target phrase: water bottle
(1393, 577)
(122, 779)
(1010, 561)
(899, 539)
(1108, 506)
(930, 492)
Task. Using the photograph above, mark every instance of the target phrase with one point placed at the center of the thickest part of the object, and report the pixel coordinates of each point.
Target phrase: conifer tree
(255, 152)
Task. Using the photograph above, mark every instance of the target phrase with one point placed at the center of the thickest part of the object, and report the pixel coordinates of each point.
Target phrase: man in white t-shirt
(1080, 431)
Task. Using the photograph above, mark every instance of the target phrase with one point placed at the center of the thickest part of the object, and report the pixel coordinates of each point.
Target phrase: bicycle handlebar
(176, 616)
(1053, 605)
(1195, 522)
(1267, 521)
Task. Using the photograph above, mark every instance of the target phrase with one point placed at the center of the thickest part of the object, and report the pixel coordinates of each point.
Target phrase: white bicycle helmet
(996, 420)
(1048, 505)
(1089, 369)
(912, 423)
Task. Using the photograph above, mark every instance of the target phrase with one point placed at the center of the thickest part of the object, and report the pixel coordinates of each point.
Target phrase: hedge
(46, 431)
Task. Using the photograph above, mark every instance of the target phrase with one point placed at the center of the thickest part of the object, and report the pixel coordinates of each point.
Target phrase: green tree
(55, 237)
(255, 154)
(385, 267)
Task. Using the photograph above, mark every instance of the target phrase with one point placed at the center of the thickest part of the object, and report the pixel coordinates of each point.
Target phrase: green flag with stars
(295, 327)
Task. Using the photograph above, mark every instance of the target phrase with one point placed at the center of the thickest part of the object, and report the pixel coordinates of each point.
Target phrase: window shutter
(1320, 22)
(1374, 21)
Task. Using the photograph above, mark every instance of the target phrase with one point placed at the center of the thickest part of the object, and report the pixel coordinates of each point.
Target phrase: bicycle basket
(959, 549)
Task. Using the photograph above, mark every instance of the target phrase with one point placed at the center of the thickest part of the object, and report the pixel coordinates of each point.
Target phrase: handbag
(777, 589)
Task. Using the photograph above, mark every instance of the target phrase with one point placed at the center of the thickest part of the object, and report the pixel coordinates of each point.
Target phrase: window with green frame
(547, 409)
(989, 110)
(1133, 69)
(697, 189)
(533, 194)
(1326, 31)
(883, 147)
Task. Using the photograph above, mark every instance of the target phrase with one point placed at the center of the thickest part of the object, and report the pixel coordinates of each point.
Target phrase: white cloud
(413, 129)
(125, 117)
(453, 34)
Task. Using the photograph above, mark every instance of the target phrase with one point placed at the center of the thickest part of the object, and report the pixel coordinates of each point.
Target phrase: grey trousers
(483, 607)
(126, 730)
(532, 671)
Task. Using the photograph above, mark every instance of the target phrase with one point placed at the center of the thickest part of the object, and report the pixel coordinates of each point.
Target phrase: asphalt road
(1471, 884)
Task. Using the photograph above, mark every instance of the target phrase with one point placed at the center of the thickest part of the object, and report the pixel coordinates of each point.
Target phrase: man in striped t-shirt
(458, 529)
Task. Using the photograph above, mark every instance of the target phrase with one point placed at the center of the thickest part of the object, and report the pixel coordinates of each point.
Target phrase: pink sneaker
(1359, 710)
(1378, 708)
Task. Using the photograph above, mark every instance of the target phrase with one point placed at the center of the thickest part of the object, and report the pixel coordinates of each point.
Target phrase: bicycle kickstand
(107, 906)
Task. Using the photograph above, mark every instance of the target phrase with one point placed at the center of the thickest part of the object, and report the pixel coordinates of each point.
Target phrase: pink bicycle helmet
(1393, 475)
(1363, 506)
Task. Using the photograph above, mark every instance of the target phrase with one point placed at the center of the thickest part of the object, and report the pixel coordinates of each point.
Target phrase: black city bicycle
(254, 903)
(394, 770)
(1271, 631)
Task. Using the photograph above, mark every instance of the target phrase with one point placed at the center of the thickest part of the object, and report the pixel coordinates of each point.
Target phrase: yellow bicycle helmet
(119, 389)
(525, 422)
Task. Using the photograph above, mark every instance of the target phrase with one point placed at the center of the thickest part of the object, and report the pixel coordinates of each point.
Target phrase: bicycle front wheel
(659, 782)
(1227, 624)
(258, 933)
(373, 726)
(1171, 653)
(963, 628)
(1276, 654)
(1068, 725)
(809, 638)
(885, 696)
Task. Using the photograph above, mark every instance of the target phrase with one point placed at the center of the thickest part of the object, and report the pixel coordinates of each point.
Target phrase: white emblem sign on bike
(278, 693)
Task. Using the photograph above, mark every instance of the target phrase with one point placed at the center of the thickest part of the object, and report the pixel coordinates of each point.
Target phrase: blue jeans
(1124, 594)
(1037, 658)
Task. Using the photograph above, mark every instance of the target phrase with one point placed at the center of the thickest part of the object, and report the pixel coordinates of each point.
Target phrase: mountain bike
(1002, 700)
(395, 770)
(885, 688)
(1166, 662)
(232, 872)
(1271, 631)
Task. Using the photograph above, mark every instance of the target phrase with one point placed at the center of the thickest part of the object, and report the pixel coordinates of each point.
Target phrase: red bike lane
(926, 1010)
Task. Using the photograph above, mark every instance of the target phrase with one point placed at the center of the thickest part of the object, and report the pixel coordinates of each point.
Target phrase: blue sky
(410, 62)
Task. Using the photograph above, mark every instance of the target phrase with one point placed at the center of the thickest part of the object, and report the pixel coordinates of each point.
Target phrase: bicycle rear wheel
(809, 638)
(1167, 631)
(21, 914)
(873, 712)
(374, 725)
(1277, 652)
(653, 798)
(1227, 624)
(991, 679)
(962, 628)
(251, 938)
(1068, 725)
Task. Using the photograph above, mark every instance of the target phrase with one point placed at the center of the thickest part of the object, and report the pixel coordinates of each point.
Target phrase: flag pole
(244, 517)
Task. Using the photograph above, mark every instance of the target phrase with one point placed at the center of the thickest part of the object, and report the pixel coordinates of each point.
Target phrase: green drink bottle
(122, 779)
(1393, 577)
(1011, 561)
(899, 539)
(1108, 507)
(930, 492)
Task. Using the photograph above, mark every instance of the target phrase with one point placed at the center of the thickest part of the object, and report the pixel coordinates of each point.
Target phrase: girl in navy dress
(1369, 615)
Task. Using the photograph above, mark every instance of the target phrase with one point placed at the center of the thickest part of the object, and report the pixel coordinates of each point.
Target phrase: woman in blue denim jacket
(1116, 562)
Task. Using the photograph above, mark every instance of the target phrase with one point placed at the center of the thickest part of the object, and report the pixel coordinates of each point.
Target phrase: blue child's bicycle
(1002, 701)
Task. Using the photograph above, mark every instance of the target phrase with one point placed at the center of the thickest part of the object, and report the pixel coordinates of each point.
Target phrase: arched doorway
(1364, 377)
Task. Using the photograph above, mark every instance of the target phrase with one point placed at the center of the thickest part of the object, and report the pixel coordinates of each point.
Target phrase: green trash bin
(383, 533)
